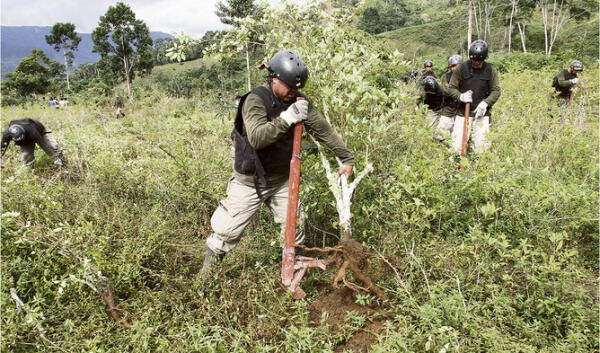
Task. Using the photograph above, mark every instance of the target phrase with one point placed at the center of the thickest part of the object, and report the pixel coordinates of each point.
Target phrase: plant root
(114, 311)
(350, 255)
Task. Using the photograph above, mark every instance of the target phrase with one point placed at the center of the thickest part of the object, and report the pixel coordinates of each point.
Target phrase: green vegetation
(124, 43)
(501, 256)
(63, 37)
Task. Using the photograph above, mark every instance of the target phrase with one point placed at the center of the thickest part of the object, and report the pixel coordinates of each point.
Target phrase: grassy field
(499, 257)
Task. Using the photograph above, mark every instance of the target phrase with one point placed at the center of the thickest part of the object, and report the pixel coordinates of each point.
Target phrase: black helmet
(429, 84)
(478, 50)
(428, 63)
(576, 65)
(455, 60)
(289, 68)
(16, 132)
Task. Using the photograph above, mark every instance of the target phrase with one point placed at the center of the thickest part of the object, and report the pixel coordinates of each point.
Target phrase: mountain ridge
(16, 42)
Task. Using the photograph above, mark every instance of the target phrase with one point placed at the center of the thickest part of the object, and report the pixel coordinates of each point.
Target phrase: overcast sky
(193, 17)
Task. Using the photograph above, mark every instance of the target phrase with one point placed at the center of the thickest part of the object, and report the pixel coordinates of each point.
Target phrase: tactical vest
(434, 100)
(33, 130)
(271, 160)
(476, 80)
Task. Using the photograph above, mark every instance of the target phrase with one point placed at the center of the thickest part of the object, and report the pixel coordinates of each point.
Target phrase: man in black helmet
(565, 82)
(450, 106)
(26, 133)
(263, 138)
(476, 82)
(427, 69)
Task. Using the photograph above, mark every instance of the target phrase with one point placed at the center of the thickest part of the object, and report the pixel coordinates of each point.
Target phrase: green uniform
(490, 97)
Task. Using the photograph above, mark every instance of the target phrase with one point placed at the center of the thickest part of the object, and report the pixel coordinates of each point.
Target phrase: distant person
(120, 105)
(52, 103)
(26, 133)
(408, 76)
(565, 82)
(427, 69)
(450, 106)
(475, 82)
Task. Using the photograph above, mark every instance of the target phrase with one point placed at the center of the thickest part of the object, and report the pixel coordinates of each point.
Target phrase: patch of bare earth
(337, 303)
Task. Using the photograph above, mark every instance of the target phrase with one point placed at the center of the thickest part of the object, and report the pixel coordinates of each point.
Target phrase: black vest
(476, 80)
(434, 100)
(33, 130)
(271, 160)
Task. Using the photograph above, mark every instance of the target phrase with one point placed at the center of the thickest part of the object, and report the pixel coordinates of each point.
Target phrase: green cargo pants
(234, 213)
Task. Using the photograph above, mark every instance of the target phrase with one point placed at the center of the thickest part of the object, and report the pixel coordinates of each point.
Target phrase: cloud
(193, 17)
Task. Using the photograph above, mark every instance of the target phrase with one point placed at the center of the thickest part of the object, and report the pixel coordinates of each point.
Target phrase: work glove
(481, 109)
(574, 80)
(466, 97)
(296, 113)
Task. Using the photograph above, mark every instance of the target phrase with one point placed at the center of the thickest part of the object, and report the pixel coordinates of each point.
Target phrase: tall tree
(123, 42)
(64, 38)
(231, 11)
(34, 74)
(554, 16)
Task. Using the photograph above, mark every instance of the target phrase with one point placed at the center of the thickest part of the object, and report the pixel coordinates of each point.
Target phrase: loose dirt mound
(337, 303)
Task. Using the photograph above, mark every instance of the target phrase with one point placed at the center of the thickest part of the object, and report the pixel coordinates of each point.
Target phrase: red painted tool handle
(289, 238)
(465, 137)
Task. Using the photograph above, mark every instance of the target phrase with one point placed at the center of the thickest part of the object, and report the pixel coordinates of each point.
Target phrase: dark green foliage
(63, 37)
(385, 17)
(230, 11)
(35, 74)
(123, 42)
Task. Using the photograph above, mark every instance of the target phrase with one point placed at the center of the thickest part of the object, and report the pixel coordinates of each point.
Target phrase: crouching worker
(565, 83)
(263, 138)
(26, 133)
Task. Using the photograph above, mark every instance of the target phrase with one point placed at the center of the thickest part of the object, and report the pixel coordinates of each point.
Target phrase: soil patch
(337, 303)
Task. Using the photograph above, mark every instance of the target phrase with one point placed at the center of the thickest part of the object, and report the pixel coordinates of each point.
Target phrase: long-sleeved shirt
(563, 83)
(261, 133)
(455, 84)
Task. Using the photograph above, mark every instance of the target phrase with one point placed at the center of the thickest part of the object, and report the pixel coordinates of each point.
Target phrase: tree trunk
(510, 25)
(470, 24)
(126, 66)
(248, 68)
(544, 10)
(66, 69)
(559, 18)
(476, 15)
(342, 191)
(522, 33)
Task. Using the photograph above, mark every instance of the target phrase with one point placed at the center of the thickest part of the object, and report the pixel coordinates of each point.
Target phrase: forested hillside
(495, 252)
